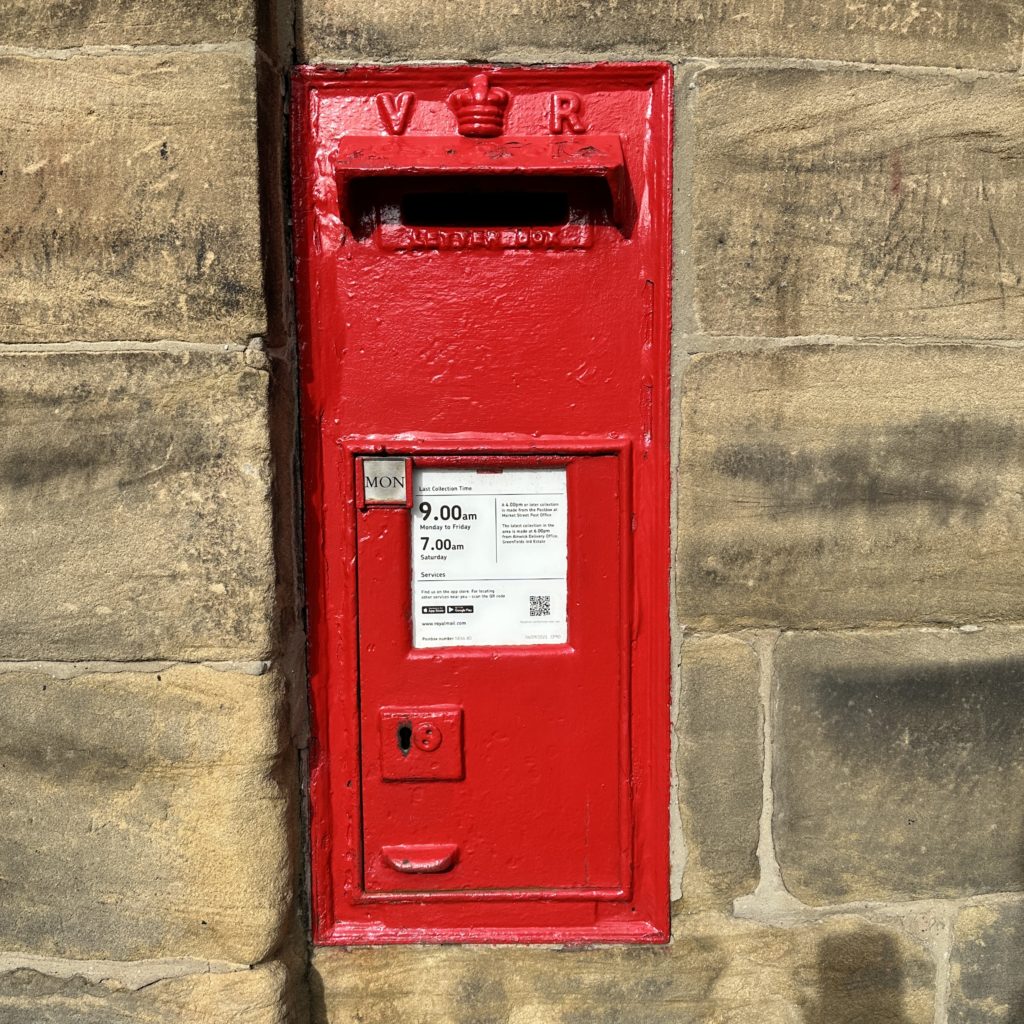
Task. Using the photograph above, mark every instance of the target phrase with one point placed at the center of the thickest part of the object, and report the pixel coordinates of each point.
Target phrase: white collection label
(489, 557)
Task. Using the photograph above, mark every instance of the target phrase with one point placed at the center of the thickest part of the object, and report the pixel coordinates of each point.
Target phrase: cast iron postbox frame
(473, 343)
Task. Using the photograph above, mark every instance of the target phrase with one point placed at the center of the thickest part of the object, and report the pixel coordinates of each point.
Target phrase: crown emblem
(480, 109)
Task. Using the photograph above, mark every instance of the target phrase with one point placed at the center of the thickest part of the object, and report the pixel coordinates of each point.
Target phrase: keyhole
(404, 738)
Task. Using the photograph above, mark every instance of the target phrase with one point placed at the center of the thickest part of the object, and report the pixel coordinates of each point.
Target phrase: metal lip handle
(421, 858)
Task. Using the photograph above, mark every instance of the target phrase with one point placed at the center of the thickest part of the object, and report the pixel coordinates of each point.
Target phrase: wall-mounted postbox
(483, 275)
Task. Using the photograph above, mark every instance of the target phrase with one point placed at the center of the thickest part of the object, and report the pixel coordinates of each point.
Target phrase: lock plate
(421, 744)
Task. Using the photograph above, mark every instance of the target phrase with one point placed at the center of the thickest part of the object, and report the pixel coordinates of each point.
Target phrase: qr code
(540, 605)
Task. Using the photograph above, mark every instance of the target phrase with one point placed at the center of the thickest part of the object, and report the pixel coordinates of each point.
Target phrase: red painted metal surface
(483, 263)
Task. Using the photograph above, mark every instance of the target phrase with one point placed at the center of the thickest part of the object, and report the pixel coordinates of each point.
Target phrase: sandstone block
(716, 971)
(874, 204)
(720, 765)
(851, 485)
(129, 198)
(236, 997)
(986, 983)
(962, 33)
(144, 815)
(134, 518)
(897, 757)
(56, 24)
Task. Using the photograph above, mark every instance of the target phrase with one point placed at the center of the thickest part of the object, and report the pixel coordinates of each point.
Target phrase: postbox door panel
(496, 768)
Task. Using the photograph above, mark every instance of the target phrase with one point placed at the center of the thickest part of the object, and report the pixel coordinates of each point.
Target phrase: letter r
(565, 113)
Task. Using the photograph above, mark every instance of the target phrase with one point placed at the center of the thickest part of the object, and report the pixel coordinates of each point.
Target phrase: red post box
(483, 261)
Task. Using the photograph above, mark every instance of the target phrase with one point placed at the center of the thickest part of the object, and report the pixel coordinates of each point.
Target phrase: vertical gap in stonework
(275, 54)
(678, 853)
(770, 883)
(684, 311)
(274, 58)
(682, 325)
(942, 971)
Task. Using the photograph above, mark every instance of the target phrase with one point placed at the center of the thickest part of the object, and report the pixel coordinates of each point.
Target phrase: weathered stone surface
(134, 519)
(850, 485)
(236, 997)
(143, 815)
(986, 980)
(898, 757)
(874, 204)
(129, 199)
(54, 24)
(716, 971)
(968, 33)
(720, 765)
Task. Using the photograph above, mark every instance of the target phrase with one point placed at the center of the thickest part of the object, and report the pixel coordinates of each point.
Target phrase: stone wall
(849, 703)
(149, 801)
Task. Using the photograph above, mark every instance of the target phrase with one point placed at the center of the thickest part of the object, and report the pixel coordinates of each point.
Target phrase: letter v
(395, 110)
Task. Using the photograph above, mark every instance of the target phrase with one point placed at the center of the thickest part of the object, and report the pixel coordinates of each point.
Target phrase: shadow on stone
(860, 977)
(987, 985)
(1016, 1014)
(1015, 1009)
(888, 745)
(1016, 1001)
(317, 998)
